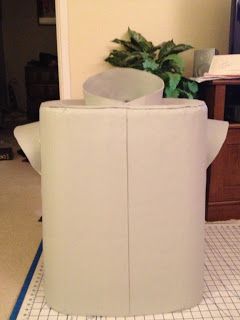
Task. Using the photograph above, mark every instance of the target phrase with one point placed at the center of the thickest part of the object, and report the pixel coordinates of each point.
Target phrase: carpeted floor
(20, 233)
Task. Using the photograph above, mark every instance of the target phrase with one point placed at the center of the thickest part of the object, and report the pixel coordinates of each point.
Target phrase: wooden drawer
(225, 170)
(224, 182)
(223, 185)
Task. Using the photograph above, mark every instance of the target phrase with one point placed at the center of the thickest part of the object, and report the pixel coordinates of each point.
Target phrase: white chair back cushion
(123, 194)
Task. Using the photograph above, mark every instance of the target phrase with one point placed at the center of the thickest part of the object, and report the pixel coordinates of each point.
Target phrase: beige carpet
(20, 233)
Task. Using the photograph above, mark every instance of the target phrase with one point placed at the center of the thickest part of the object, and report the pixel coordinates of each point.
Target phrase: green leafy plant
(162, 60)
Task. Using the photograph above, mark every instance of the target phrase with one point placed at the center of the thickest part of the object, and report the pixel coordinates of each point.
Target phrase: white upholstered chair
(123, 192)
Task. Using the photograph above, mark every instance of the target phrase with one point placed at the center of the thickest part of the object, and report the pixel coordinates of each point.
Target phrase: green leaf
(137, 57)
(171, 93)
(137, 39)
(173, 63)
(185, 94)
(126, 44)
(170, 47)
(192, 86)
(171, 81)
(175, 93)
(117, 58)
(189, 88)
(150, 65)
(165, 49)
(181, 48)
(125, 59)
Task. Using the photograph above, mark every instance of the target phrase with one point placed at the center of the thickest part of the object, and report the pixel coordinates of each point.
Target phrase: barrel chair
(123, 197)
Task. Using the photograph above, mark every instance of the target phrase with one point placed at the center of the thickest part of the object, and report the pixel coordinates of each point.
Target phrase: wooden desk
(223, 189)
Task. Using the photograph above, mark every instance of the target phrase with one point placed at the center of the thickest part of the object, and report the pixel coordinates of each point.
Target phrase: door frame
(63, 49)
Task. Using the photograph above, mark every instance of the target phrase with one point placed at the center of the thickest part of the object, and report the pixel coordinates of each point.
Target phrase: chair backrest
(123, 193)
(121, 85)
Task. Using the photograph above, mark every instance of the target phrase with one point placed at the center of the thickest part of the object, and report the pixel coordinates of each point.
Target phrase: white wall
(92, 24)
(23, 39)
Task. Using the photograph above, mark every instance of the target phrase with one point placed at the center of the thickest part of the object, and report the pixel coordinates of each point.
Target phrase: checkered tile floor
(221, 299)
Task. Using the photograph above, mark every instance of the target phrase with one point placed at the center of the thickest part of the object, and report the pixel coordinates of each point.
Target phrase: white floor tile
(221, 299)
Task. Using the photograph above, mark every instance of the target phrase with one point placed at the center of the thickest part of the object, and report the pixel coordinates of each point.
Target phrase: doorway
(28, 61)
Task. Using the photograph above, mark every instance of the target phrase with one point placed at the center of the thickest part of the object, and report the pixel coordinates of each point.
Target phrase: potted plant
(162, 60)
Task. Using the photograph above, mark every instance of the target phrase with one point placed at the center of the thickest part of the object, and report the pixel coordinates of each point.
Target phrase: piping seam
(128, 224)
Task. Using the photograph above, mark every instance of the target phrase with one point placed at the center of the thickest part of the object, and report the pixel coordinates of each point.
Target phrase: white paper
(225, 65)
(209, 77)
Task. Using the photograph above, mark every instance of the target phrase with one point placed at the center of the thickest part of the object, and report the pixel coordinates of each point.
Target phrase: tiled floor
(222, 284)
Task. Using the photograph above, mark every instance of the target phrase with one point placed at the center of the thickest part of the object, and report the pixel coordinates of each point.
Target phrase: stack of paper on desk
(225, 65)
(222, 67)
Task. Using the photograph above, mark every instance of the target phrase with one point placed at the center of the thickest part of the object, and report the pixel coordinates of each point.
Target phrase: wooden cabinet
(223, 189)
(41, 85)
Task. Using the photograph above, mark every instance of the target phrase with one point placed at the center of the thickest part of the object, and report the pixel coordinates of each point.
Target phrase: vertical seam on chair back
(128, 223)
